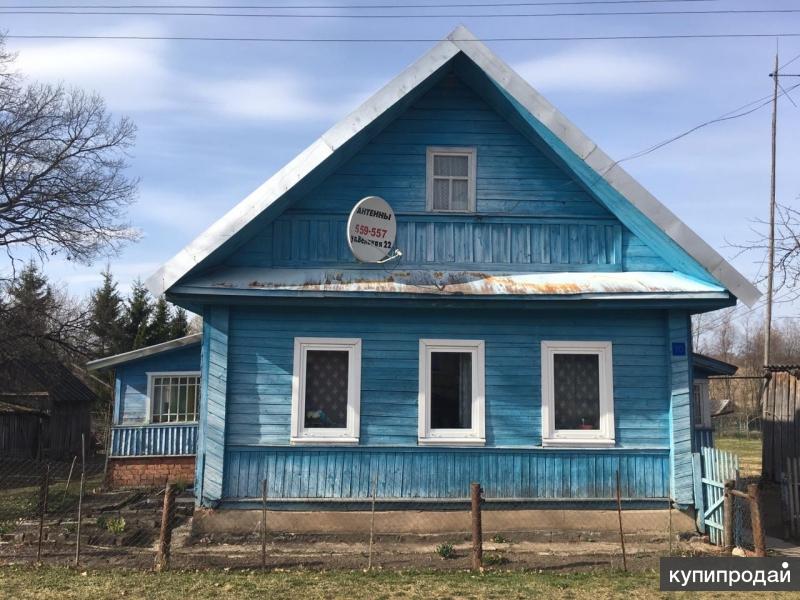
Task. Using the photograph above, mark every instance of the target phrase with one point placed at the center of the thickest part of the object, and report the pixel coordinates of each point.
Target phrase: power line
(677, 36)
(734, 114)
(352, 6)
(647, 13)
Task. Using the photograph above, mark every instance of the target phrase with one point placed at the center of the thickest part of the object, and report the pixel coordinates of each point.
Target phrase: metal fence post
(372, 521)
(477, 529)
(80, 501)
(264, 524)
(621, 534)
(42, 508)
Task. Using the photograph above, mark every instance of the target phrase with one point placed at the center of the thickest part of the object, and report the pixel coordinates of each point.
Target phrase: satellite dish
(371, 230)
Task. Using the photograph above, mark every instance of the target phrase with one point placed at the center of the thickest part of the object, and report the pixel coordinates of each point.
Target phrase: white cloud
(588, 69)
(138, 76)
(275, 96)
(130, 75)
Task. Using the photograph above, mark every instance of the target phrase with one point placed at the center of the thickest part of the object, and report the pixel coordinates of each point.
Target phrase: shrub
(115, 525)
(446, 550)
(500, 539)
(493, 560)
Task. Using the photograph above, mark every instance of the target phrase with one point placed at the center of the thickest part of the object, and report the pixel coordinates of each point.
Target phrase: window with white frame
(451, 392)
(577, 394)
(326, 390)
(174, 397)
(451, 179)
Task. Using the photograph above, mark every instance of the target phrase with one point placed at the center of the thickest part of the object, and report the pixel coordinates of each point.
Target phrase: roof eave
(125, 357)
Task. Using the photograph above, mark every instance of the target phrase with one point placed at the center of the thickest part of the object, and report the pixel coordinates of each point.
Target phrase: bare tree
(63, 187)
(787, 252)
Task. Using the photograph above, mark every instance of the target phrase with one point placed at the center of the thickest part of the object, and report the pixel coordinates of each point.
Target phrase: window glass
(451, 183)
(450, 166)
(576, 379)
(451, 390)
(441, 194)
(326, 388)
(174, 398)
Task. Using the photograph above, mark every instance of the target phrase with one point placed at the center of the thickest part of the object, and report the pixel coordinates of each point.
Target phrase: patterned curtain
(451, 390)
(577, 391)
(326, 388)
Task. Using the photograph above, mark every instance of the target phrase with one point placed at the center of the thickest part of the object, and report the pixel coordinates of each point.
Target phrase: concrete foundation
(418, 522)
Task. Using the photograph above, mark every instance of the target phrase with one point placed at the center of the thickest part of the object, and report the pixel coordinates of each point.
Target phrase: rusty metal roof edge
(116, 359)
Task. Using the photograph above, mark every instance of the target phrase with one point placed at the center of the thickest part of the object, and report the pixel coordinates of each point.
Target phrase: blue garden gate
(712, 469)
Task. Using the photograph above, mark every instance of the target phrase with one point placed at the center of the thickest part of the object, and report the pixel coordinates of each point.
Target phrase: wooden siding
(301, 240)
(679, 331)
(260, 369)
(213, 403)
(530, 215)
(154, 440)
(410, 473)
(131, 381)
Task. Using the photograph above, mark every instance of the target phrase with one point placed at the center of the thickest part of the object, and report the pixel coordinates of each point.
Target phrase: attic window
(451, 179)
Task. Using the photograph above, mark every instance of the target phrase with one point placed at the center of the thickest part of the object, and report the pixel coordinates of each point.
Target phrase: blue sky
(217, 119)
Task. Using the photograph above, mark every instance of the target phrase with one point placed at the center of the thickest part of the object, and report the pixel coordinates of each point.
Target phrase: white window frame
(472, 160)
(324, 435)
(452, 437)
(151, 376)
(604, 436)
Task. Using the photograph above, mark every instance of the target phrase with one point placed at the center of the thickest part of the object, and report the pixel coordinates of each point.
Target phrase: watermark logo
(730, 574)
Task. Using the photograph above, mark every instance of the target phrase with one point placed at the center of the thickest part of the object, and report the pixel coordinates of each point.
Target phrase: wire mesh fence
(61, 512)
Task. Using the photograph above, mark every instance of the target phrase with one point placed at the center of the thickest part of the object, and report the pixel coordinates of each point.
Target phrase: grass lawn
(749, 451)
(25, 583)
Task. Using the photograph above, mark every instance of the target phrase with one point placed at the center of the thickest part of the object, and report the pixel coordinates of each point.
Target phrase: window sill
(451, 441)
(578, 443)
(328, 441)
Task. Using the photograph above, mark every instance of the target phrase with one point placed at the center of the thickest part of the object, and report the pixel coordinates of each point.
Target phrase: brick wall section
(150, 471)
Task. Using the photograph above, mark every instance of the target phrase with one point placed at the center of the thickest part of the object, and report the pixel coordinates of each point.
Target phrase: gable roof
(603, 176)
(46, 378)
(126, 357)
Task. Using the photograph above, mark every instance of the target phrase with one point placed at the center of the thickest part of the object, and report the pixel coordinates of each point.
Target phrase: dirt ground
(388, 552)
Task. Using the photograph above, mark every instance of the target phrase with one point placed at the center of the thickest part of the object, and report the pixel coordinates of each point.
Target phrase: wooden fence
(781, 422)
(790, 492)
(717, 468)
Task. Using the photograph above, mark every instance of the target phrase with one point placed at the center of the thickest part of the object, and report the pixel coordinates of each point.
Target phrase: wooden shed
(44, 409)
(780, 419)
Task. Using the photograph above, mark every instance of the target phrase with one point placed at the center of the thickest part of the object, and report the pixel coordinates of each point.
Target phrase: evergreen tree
(158, 330)
(179, 326)
(106, 317)
(137, 314)
(30, 302)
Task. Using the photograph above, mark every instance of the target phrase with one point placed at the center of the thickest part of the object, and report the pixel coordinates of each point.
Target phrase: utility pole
(771, 265)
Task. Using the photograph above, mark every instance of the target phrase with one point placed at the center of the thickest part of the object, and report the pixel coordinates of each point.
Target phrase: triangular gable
(607, 181)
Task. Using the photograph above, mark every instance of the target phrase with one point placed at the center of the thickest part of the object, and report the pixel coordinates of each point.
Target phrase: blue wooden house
(156, 407)
(534, 336)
